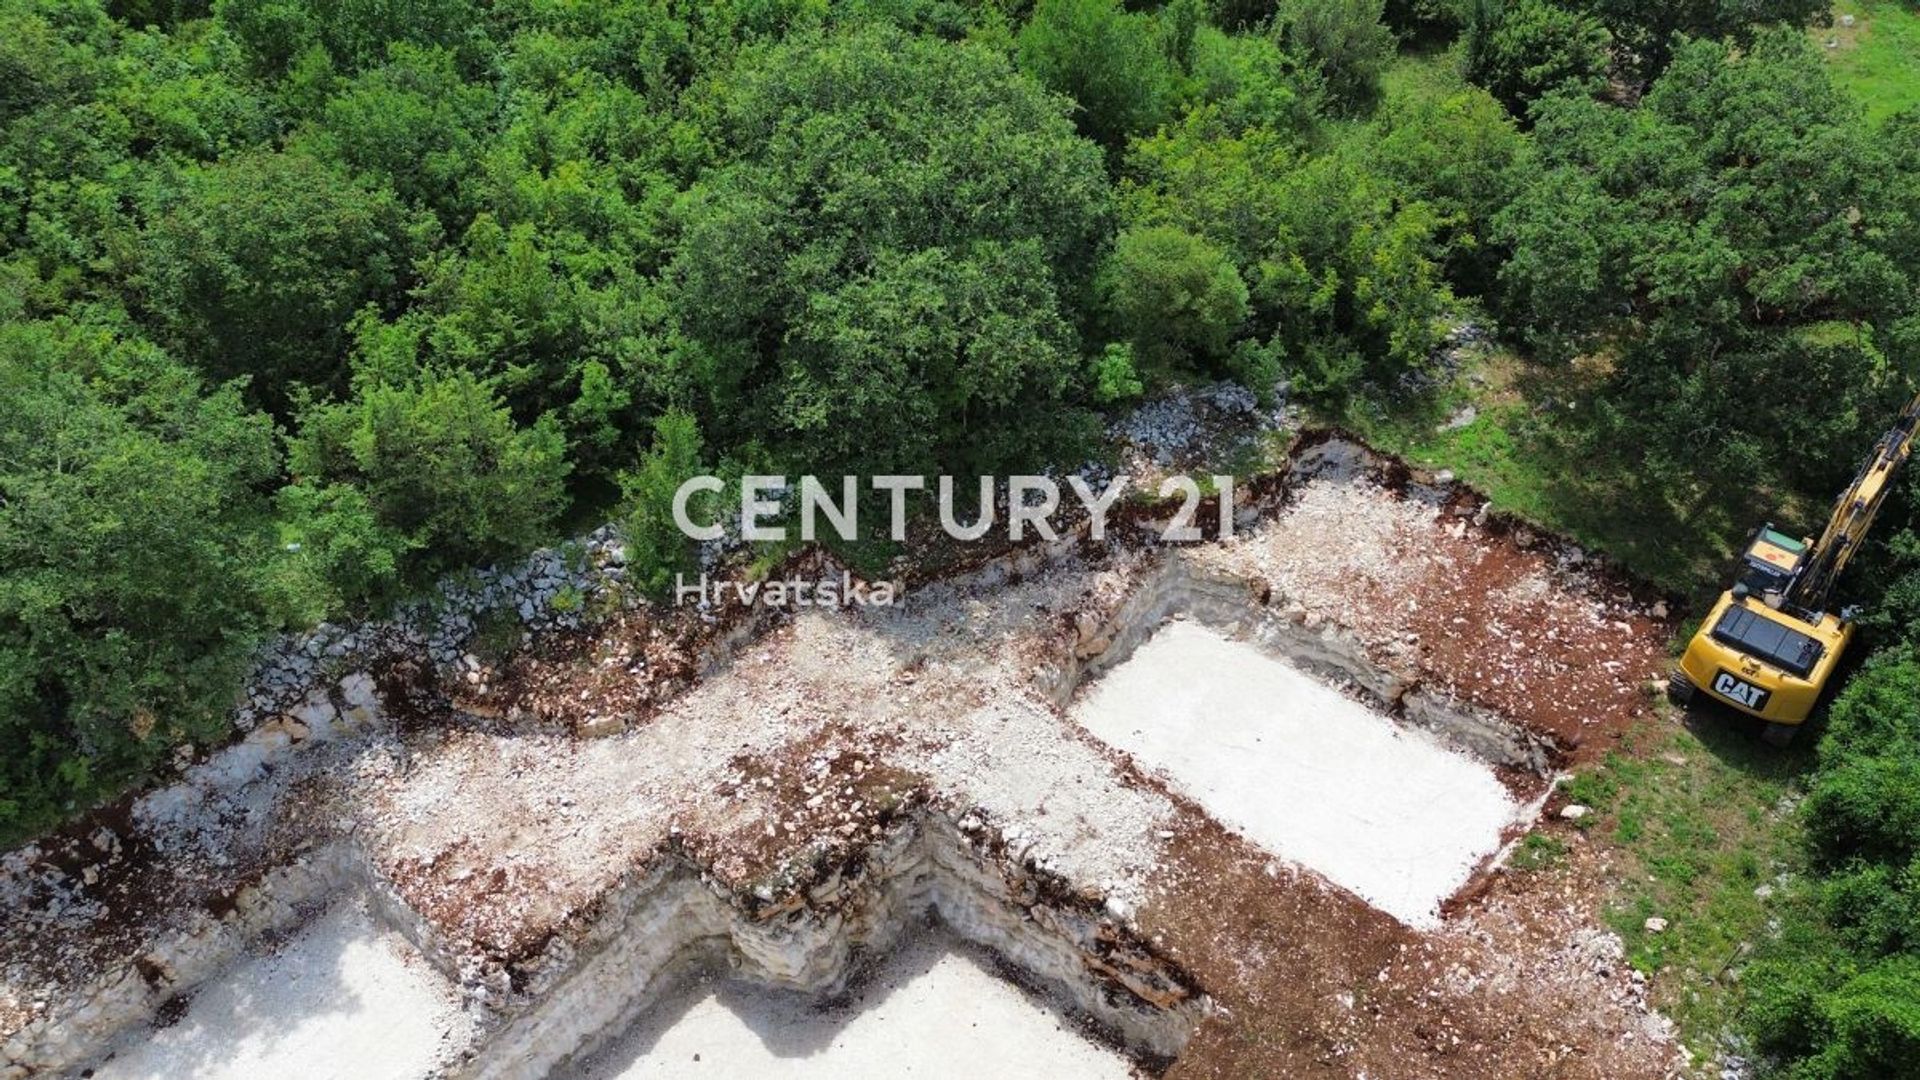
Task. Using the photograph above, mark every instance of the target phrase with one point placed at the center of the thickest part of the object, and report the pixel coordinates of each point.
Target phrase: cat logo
(1740, 692)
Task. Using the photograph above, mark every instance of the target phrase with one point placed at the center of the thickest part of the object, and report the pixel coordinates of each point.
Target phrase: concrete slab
(1315, 777)
(930, 1012)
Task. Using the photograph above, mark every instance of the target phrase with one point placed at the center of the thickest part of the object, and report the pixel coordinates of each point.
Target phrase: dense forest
(305, 302)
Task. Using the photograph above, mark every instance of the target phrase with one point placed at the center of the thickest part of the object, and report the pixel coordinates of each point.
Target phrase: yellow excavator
(1770, 645)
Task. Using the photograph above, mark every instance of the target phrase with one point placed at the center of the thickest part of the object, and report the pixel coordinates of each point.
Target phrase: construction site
(1080, 809)
(804, 539)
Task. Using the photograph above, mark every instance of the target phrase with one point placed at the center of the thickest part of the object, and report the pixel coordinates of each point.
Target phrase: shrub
(1876, 907)
(1837, 993)
(1865, 808)
(1865, 798)
(344, 559)
(1107, 59)
(656, 548)
(1873, 1025)
(1174, 296)
(1344, 40)
(1521, 49)
(1782, 1011)
(1877, 714)
(133, 542)
(1115, 377)
(1249, 81)
(441, 476)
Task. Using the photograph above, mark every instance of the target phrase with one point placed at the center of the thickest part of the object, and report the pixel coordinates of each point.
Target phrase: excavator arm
(1854, 511)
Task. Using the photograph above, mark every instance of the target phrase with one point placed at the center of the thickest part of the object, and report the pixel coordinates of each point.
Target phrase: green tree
(182, 99)
(1865, 799)
(1521, 49)
(644, 44)
(355, 33)
(507, 305)
(1248, 81)
(54, 52)
(1874, 1022)
(345, 560)
(1730, 243)
(1647, 29)
(656, 548)
(255, 266)
(412, 124)
(444, 478)
(937, 357)
(1342, 265)
(1107, 59)
(1464, 156)
(1204, 176)
(879, 265)
(1115, 375)
(550, 289)
(132, 540)
(1175, 297)
(1344, 40)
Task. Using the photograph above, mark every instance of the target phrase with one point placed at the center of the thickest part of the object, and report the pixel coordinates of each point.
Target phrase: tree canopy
(133, 531)
(1739, 229)
(881, 258)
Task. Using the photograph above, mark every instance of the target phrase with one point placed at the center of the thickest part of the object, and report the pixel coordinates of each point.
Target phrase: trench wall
(671, 922)
(1237, 608)
(668, 923)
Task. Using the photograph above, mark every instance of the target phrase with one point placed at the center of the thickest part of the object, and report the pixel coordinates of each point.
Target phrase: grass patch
(1877, 59)
(1423, 71)
(1538, 852)
(1509, 449)
(1699, 816)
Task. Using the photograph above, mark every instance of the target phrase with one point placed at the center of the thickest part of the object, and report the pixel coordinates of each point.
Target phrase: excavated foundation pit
(1324, 651)
(1190, 675)
(343, 991)
(366, 986)
(1318, 778)
(1187, 689)
(673, 924)
(934, 1008)
(1288, 732)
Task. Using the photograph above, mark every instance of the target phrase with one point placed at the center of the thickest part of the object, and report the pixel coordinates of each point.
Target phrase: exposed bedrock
(672, 921)
(84, 1025)
(668, 917)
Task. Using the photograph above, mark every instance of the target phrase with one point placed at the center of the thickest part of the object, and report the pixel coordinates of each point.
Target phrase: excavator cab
(1772, 563)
